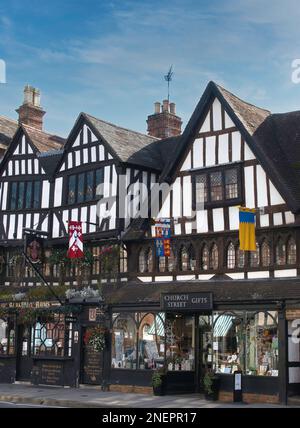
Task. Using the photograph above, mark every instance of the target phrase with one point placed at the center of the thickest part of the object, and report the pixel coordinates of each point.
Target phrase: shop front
(47, 344)
(189, 334)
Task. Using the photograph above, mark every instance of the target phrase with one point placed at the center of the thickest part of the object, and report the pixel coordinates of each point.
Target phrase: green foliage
(157, 378)
(208, 382)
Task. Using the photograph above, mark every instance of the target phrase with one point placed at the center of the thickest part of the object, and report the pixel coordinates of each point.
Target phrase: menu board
(92, 366)
(51, 373)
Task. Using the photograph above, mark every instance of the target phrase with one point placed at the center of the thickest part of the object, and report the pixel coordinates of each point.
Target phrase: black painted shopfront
(51, 350)
(200, 328)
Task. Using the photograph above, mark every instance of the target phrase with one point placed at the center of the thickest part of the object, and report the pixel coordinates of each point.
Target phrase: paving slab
(96, 398)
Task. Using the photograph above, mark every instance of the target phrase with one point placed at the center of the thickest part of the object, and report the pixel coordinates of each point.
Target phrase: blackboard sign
(51, 373)
(187, 302)
(92, 366)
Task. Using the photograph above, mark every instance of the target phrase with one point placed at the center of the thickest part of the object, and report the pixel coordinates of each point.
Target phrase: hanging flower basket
(95, 337)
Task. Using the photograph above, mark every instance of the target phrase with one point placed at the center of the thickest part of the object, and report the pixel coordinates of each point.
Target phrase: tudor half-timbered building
(208, 306)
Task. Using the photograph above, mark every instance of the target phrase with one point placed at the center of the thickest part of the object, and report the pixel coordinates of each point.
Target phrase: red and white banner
(75, 240)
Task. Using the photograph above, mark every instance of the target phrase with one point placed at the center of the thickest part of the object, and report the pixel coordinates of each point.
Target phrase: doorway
(91, 362)
(204, 358)
(24, 360)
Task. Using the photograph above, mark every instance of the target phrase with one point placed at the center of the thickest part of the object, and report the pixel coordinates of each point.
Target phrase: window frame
(35, 195)
(207, 171)
(84, 174)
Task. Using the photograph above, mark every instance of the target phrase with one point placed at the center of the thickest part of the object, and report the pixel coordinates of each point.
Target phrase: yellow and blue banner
(247, 229)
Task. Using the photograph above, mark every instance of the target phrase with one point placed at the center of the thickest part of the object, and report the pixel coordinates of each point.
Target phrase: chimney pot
(165, 105)
(172, 108)
(30, 112)
(36, 97)
(157, 107)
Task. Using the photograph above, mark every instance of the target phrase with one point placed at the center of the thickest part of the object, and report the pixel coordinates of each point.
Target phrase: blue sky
(108, 58)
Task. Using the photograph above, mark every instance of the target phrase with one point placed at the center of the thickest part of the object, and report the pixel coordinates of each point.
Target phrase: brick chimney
(31, 112)
(164, 123)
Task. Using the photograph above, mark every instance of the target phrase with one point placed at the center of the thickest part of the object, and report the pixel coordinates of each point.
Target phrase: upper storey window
(82, 187)
(218, 187)
(24, 195)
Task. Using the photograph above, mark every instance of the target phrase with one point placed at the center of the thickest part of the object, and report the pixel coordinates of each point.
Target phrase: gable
(218, 144)
(84, 148)
(21, 160)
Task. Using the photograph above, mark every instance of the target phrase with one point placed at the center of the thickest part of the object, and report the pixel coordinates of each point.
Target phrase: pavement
(93, 397)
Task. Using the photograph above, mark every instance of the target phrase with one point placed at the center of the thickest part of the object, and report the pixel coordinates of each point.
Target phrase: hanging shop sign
(187, 301)
(34, 247)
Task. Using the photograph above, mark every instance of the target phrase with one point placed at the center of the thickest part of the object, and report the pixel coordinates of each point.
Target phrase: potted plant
(211, 385)
(158, 382)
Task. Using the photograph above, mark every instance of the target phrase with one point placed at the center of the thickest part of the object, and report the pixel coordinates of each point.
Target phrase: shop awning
(159, 323)
(222, 324)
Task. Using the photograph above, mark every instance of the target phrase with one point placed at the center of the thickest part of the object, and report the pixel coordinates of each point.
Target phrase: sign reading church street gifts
(187, 301)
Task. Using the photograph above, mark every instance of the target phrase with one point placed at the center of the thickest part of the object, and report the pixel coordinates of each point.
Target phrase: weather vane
(168, 78)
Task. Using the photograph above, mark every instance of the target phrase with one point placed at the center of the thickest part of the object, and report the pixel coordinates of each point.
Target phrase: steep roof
(129, 146)
(278, 139)
(250, 115)
(42, 140)
(8, 128)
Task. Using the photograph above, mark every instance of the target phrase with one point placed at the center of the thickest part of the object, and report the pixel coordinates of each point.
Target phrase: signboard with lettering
(187, 302)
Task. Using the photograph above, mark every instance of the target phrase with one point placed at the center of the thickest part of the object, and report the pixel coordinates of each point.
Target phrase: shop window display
(7, 338)
(151, 341)
(262, 344)
(246, 341)
(228, 342)
(180, 346)
(124, 342)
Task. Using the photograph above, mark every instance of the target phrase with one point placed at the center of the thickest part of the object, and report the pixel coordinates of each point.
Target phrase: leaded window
(240, 256)
(254, 257)
(214, 257)
(231, 183)
(187, 259)
(24, 195)
(265, 254)
(280, 253)
(145, 260)
(216, 186)
(52, 337)
(213, 187)
(201, 188)
(204, 258)
(231, 256)
(83, 187)
(291, 252)
(123, 260)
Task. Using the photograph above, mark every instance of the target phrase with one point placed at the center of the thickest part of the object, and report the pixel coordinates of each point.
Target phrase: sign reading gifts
(163, 237)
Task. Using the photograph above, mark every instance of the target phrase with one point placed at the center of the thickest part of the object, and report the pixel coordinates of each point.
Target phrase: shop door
(205, 354)
(92, 364)
(24, 360)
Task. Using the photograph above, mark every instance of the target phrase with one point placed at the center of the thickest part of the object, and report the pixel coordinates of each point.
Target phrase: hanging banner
(75, 240)
(247, 229)
(162, 237)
